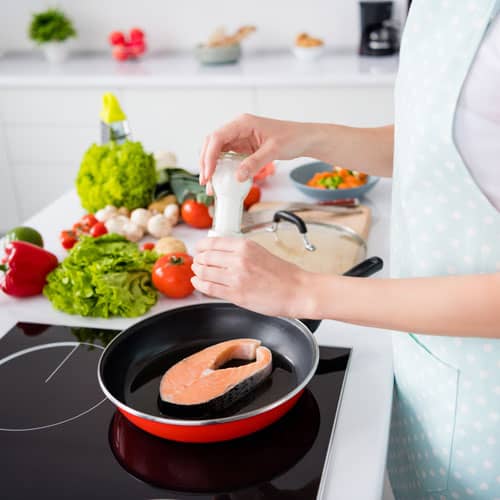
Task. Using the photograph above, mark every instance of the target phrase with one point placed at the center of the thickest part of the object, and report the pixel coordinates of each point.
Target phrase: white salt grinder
(229, 196)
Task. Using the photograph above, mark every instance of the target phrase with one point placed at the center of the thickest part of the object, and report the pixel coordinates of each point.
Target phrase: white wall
(180, 24)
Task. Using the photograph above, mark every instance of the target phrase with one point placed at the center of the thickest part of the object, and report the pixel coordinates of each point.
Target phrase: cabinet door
(357, 106)
(178, 120)
(8, 201)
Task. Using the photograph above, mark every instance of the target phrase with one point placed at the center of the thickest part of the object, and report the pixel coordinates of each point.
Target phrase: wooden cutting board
(359, 222)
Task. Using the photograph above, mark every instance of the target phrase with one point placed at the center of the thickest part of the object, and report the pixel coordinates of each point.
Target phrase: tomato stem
(3, 268)
(176, 260)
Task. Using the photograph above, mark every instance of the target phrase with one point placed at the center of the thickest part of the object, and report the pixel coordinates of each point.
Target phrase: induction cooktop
(60, 438)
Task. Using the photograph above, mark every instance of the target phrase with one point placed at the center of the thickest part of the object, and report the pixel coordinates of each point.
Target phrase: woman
(445, 285)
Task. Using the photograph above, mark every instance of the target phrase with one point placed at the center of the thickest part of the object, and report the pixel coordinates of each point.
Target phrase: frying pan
(133, 363)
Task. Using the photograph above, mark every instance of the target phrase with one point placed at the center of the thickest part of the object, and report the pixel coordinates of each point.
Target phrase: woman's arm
(264, 140)
(243, 272)
(367, 149)
(458, 306)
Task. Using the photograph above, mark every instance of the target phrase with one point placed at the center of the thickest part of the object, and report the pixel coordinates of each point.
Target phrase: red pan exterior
(214, 432)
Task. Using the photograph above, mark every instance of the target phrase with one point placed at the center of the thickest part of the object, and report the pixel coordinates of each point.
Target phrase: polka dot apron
(445, 430)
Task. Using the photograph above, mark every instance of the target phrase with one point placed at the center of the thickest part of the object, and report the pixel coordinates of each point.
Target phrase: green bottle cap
(111, 110)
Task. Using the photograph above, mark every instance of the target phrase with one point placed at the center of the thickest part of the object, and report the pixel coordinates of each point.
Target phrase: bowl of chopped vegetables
(324, 182)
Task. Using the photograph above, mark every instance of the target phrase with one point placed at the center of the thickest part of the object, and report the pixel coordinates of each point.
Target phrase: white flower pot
(56, 52)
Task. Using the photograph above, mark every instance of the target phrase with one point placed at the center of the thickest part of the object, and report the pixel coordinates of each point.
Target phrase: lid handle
(297, 221)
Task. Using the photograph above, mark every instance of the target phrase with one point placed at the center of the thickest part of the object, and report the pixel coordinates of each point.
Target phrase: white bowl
(308, 53)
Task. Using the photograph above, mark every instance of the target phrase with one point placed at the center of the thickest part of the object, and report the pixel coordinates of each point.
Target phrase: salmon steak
(198, 383)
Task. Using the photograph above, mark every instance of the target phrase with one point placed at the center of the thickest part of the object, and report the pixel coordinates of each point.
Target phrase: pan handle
(362, 270)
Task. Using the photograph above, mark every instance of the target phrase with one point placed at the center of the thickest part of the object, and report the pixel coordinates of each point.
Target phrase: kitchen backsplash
(179, 25)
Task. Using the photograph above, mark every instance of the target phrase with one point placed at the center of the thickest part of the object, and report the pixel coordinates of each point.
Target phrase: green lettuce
(122, 175)
(103, 277)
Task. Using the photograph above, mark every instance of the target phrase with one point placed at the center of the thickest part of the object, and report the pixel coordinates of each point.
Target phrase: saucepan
(133, 363)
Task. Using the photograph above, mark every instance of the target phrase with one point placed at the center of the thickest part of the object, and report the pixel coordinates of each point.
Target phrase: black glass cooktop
(60, 439)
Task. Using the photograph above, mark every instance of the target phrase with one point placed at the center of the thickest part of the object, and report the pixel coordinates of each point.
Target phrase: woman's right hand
(263, 139)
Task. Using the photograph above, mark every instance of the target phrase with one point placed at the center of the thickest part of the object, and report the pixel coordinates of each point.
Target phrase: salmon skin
(196, 386)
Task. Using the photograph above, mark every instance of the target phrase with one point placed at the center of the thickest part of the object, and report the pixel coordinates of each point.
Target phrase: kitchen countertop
(356, 465)
(274, 69)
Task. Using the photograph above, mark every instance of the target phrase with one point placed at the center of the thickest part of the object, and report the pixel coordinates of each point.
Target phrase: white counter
(355, 469)
(280, 69)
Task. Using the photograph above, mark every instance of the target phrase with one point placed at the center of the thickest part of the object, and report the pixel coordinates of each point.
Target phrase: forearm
(367, 149)
(452, 306)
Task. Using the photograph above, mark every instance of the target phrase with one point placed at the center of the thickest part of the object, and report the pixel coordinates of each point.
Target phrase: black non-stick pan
(132, 365)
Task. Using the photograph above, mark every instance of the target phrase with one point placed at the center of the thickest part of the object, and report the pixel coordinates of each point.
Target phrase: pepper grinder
(229, 196)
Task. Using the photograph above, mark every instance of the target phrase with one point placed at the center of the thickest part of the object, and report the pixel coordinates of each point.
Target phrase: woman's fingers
(212, 274)
(221, 244)
(217, 142)
(211, 289)
(215, 258)
(202, 161)
(253, 163)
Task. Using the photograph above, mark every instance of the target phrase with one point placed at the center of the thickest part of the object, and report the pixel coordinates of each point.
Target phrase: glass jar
(229, 195)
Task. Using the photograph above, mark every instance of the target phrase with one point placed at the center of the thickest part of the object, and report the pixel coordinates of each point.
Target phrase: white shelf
(277, 69)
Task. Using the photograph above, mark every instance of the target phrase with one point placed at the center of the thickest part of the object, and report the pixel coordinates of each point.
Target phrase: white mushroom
(165, 159)
(159, 226)
(124, 211)
(116, 224)
(169, 244)
(132, 231)
(141, 216)
(106, 213)
(171, 212)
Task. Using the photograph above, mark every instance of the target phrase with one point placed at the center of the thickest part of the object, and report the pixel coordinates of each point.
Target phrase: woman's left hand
(244, 273)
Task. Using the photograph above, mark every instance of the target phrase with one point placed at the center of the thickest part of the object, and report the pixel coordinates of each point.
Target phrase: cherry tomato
(172, 275)
(120, 53)
(149, 245)
(196, 214)
(136, 35)
(89, 220)
(68, 239)
(98, 229)
(116, 38)
(253, 197)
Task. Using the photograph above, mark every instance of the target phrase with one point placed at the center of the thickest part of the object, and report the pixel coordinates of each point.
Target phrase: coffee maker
(379, 33)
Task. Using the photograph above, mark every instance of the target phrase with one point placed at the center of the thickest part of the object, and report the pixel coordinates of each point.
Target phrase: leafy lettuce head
(122, 175)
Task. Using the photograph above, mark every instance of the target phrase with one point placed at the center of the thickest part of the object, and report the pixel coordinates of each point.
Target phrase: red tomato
(89, 220)
(116, 38)
(98, 229)
(137, 48)
(149, 245)
(120, 53)
(196, 214)
(253, 197)
(264, 172)
(172, 275)
(68, 239)
(136, 35)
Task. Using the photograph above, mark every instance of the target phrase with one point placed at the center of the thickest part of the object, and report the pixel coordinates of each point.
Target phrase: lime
(24, 233)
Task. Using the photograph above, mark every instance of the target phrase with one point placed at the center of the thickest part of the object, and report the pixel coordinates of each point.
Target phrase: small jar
(229, 195)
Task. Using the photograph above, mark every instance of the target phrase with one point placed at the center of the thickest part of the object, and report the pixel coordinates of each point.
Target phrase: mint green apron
(445, 431)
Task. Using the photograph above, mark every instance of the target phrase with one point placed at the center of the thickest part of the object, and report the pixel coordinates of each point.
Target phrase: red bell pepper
(26, 268)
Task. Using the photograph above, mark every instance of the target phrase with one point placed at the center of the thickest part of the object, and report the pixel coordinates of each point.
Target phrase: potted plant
(51, 30)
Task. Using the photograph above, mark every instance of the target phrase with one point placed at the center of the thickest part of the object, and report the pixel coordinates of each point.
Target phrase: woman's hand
(244, 273)
(263, 139)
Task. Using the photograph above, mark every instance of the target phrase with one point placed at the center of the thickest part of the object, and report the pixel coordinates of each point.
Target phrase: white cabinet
(8, 198)
(355, 106)
(45, 133)
(178, 120)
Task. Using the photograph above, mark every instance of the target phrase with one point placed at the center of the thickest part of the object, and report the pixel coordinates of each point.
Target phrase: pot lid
(316, 247)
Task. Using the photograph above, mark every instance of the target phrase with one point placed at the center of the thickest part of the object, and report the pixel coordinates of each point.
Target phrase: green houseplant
(52, 29)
